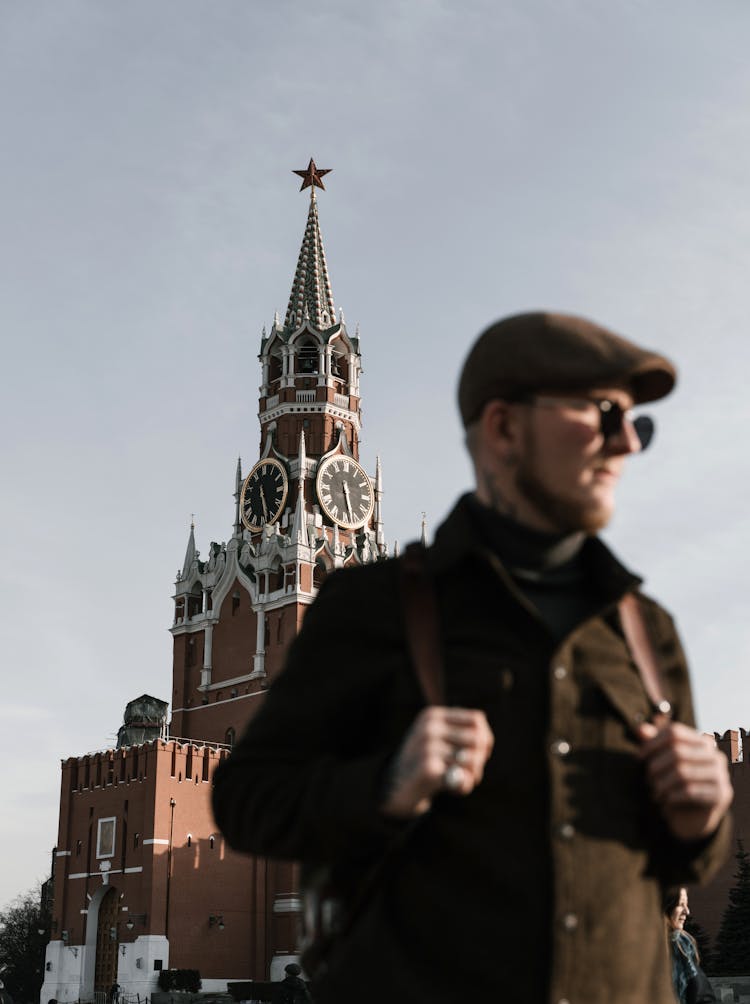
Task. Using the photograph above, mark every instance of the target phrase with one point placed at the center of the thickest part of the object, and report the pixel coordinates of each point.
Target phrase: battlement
(133, 763)
(732, 745)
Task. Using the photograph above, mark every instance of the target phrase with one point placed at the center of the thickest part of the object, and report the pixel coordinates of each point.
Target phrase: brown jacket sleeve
(682, 863)
(305, 779)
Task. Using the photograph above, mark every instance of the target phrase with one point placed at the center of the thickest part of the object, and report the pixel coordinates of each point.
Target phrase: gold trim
(266, 462)
(343, 522)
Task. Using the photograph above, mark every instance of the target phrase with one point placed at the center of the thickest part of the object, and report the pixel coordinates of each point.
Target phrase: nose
(626, 440)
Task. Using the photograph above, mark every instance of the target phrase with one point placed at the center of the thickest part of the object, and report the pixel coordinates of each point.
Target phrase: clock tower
(305, 507)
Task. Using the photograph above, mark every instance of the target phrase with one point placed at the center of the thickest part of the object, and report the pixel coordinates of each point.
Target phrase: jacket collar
(459, 538)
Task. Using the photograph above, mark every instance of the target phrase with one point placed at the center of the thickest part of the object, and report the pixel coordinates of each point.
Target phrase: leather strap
(423, 634)
(642, 650)
(422, 623)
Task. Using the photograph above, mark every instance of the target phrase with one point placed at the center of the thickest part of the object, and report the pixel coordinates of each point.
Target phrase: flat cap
(526, 353)
(293, 969)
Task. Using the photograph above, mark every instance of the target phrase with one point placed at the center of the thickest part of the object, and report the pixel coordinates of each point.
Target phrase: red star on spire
(313, 176)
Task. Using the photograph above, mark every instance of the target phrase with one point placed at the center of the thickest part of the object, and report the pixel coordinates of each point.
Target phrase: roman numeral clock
(264, 493)
(345, 491)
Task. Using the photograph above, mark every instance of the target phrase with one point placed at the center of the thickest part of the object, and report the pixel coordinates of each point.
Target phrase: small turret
(145, 719)
(237, 493)
(190, 552)
(378, 510)
(299, 523)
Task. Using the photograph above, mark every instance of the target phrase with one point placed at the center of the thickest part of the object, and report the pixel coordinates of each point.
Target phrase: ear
(500, 428)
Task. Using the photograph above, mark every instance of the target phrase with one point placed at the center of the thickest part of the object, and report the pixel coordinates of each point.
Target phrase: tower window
(340, 367)
(274, 369)
(308, 358)
(105, 837)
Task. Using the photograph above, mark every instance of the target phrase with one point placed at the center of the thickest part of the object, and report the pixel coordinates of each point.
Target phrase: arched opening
(276, 577)
(340, 363)
(307, 356)
(319, 573)
(102, 942)
(274, 367)
(195, 600)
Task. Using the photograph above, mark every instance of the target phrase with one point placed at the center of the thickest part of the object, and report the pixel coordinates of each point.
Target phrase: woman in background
(691, 985)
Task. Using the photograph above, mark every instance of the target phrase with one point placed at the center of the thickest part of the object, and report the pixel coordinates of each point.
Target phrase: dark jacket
(293, 990)
(545, 883)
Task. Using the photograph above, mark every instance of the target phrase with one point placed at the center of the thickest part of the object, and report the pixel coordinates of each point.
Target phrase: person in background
(293, 988)
(691, 985)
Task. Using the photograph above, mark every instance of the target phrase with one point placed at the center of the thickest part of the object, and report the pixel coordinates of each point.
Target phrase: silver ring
(461, 756)
(453, 777)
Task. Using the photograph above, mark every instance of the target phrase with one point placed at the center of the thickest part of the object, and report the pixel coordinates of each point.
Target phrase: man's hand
(688, 777)
(444, 750)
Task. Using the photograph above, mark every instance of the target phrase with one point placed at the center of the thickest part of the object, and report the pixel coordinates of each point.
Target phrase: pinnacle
(311, 298)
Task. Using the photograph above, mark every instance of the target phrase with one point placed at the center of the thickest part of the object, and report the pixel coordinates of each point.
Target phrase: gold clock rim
(253, 527)
(344, 524)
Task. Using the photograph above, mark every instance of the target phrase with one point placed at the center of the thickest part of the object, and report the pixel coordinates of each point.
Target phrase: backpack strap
(422, 622)
(642, 650)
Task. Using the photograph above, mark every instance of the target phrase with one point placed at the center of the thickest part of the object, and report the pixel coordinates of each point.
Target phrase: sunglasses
(612, 415)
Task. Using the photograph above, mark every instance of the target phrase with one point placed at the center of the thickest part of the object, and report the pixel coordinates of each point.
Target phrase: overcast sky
(487, 158)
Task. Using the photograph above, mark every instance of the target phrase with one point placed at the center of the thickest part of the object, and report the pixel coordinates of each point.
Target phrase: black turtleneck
(547, 568)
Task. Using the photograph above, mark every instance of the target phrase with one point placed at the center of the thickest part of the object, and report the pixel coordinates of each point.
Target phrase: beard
(569, 515)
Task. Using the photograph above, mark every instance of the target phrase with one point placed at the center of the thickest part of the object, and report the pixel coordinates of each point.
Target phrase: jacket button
(566, 831)
(560, 672)
(561, 747)
(569, 921)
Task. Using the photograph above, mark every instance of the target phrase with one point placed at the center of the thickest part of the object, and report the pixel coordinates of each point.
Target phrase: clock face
(345, 491)
(263, 494)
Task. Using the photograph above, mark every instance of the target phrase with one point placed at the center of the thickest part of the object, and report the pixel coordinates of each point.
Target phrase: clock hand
(263, 503)
(348, 503)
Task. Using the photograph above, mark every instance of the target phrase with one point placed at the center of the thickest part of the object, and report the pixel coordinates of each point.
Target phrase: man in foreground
(539, 813)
